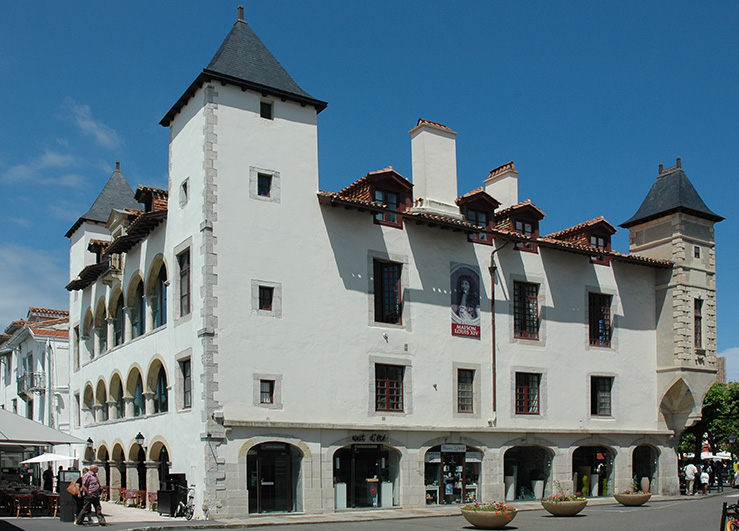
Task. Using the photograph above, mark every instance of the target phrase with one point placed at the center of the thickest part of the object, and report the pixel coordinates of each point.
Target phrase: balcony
(29, 382)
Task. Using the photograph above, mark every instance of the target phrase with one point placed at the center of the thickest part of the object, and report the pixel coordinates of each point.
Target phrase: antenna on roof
(240, 14)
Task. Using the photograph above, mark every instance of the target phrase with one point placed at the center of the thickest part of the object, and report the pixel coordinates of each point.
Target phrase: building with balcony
(289, 349)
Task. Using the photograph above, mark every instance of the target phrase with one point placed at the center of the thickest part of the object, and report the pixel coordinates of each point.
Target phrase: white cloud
(82, 116)
(36, 170)
(31, 277)
(732, 363)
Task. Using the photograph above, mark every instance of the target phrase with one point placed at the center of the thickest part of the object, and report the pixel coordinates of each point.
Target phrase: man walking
(690, 471)
(91, 489)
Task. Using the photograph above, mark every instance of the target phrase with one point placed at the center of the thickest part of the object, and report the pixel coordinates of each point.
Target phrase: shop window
(698, 323)
(527, 393)
(600, 395)
(387, 292)
(452, 474)
(183, 263)
(465, 381)
(599, 310)
(389, 387)
(525, 310)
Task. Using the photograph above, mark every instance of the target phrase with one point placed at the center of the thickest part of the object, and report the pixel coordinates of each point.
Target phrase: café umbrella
(47, 458)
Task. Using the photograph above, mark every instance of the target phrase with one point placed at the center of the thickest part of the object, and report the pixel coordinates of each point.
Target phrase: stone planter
(564, 508)
(634, 499)
(488, 519)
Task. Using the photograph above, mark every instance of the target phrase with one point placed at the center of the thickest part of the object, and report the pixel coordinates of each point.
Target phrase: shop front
(644, 464)
(526, 472)
(366, 475)
(273, 477)
(452, 474)
(591, 470)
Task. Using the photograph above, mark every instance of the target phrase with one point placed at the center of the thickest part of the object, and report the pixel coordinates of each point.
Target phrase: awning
(48, 458)
(20, 431)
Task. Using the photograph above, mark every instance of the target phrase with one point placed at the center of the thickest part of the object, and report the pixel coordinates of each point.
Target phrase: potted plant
(493, 515)
(634, 496)
(562, 504)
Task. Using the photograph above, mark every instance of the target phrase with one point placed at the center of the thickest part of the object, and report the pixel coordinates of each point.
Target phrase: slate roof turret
(116, 194)
(671, 192)
(243, 60)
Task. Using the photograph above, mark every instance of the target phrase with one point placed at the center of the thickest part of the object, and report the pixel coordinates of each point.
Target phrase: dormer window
(482, 219)
(391, 200)
(600, 242)
(527, 228)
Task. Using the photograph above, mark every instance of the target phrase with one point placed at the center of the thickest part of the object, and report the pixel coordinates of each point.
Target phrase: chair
(23, 504)
(105, 493)
(121, 495)
(152, 501)
(53, 504)
(130, 496)
(141, 499)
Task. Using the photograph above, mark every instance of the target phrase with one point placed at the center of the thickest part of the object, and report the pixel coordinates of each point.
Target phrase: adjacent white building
(395, 343)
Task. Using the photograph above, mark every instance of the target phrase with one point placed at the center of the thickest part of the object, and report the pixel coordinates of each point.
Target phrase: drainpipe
(493, 268)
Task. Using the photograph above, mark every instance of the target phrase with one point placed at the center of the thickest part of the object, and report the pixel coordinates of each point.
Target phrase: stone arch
(136, 303)
(117, 393)
(158, 383)
(101, 400)
(133, 391)
(678, 406)
(156, 290)
(593, 458)
(116, 312)
(157, 263)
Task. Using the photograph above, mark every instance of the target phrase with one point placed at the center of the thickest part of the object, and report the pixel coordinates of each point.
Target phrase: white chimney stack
(434, 157)
(502, 184)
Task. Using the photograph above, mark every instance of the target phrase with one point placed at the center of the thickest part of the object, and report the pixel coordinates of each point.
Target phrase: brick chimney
(434, 158)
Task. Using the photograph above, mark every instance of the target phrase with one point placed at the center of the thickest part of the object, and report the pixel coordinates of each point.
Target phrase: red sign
(459, 329)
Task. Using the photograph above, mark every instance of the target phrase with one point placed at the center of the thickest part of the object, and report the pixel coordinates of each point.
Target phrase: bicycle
(186, 509)
(732, 512)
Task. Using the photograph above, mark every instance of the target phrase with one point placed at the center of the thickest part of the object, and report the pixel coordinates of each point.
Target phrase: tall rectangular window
(600, 395)
(599, 316)
(267, 391)
(525, 310)
(266, 295)
(186, 372)
(527, 393)
(481, 219)
(465, 380)
(698, 323)
(389, 387)
(390, 200)
(183, 261)
(264, 184)
(387, 292)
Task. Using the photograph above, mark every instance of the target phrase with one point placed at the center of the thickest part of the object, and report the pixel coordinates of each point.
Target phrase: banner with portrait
(465, 284)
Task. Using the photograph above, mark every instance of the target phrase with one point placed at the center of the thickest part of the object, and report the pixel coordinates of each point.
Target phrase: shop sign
(433, 457)
(453, 448)
(372, 437)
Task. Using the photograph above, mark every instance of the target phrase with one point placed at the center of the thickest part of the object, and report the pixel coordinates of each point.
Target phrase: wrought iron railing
(31, 381)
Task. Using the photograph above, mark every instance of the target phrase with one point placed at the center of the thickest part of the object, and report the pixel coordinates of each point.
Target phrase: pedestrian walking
(690, 471)
(91, 487)
(705, 477)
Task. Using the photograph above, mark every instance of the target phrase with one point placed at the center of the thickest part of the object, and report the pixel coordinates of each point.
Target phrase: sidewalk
(132, 519)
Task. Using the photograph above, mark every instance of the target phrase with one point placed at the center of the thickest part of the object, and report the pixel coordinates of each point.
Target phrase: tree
(719, 422)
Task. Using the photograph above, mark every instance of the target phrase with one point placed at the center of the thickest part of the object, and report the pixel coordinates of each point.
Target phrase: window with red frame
(525, 310)
(387, 292)
(389, 387)
(599, 309)
(465, 381)
(482, 220)
(527, 393)
(391, 200)
(600, 395)
(528, 229)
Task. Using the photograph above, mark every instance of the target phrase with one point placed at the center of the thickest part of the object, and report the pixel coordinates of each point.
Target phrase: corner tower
(673, 223)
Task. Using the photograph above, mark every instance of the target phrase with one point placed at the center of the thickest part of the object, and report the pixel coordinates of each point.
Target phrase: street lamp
(140, 440)
(90, 443)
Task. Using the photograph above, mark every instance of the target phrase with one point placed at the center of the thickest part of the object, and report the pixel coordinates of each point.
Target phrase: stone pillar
(152, 479)
(128, 318)
(115, 480)
(101, 471)
(97, 334)
(87, 416)
(110, 330)
(132, 478)
(98, 412)
(150, 301)
(112, 410)
(149, 399)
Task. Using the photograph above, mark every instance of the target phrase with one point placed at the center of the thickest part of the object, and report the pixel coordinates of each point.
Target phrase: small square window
(264, 184)
(265, 110)
(266, 391)
(266, 294)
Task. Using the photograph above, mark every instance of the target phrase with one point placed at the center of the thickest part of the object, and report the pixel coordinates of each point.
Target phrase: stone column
(128, 318)
(152, 479)
(87, 416)
(98, 412)
(150, 301)
(132, 478)
(110, 330)
(149, 399)
(128, 404)
(115, 480)
(97, 334)
(112, 410)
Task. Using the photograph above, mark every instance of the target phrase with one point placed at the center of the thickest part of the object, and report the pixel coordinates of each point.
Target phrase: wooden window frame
(600, 323)
(528, 393)
(269, 392)
(526, 310)
(390, 218)
(186, 373)
(472, 215)
(528, 246)
(388, 292)
(389, 392)
(184, 263)
(465, 390)
(601, 396)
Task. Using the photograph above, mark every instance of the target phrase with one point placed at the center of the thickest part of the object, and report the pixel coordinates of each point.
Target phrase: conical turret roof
(671, 192)
(245, 61)
(116, 194)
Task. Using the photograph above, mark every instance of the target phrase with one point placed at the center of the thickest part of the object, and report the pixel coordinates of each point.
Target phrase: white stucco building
(395, 343)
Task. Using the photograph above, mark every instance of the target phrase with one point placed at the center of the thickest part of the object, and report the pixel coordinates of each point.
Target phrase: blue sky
(587, 98)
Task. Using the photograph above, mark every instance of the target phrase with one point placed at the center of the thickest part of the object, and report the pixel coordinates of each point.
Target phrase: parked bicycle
(186, 509)
(730, 517)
